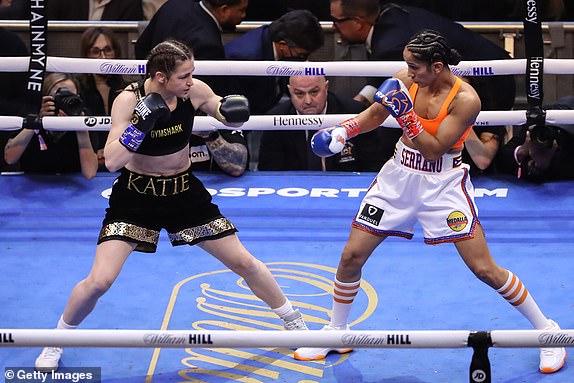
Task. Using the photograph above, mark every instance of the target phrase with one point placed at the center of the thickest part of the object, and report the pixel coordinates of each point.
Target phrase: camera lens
(69, 102)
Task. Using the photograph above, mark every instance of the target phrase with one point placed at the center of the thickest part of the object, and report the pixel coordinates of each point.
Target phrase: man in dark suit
(386, 30)
(290, 149)
(114, 10)
(294, 36)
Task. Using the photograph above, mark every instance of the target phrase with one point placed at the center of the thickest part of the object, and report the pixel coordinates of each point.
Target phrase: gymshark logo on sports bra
(166, 131)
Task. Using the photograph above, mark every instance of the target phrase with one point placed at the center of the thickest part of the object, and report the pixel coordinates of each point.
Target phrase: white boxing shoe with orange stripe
(312, 353)
(343, 296)
(552, 359)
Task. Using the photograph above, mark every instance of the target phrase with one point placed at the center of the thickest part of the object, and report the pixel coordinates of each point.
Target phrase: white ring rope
(289, 339)
(279, 122)
(284, 68)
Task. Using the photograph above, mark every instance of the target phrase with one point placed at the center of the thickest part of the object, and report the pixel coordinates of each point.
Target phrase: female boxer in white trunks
(425, 182)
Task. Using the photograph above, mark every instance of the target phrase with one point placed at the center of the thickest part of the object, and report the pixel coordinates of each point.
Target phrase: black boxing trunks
(141, 205)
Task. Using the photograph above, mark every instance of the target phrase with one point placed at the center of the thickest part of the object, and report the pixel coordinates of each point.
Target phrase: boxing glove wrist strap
(411, 124)
(132, 138)
(352, 127)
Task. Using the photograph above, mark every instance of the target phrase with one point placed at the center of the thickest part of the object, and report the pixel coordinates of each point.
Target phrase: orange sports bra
(431, 126)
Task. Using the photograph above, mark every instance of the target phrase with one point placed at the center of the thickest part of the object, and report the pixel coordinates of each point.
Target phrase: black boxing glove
(147, 112)
(233, 109)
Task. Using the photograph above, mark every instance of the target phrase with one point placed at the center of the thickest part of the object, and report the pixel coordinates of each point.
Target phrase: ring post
(480, 341)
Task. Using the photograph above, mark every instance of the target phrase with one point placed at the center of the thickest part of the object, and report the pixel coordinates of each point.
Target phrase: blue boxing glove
(148, 110)
(327, 142)
(394, 96)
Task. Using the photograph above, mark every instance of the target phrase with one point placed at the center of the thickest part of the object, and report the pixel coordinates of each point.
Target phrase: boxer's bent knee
(96, 287)
(350, 265)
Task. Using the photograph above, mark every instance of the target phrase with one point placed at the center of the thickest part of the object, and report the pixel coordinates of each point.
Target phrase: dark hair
(91, 34)
(362, 8)
(300, 28)
(430, 46)
(164, 57)
(54, 78)
(221, 3)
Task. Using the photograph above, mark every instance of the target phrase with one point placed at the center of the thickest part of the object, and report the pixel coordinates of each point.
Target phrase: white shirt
(97, 9)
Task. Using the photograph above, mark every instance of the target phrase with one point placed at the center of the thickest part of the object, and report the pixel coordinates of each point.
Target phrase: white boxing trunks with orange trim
(437, 194)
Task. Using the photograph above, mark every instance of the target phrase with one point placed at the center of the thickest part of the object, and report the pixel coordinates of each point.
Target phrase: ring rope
(285, 68)
(282, 122)
(289, 339)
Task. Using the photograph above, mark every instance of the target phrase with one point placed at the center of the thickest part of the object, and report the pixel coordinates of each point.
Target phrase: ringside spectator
(41, 151)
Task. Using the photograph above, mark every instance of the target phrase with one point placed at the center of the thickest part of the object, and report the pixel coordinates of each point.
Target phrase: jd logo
(478, 376)
(92, 121)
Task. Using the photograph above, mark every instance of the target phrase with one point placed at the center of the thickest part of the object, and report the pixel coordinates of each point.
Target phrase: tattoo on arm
(231, 157)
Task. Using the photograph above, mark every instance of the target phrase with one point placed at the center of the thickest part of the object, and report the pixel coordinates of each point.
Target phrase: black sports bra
(168, 136)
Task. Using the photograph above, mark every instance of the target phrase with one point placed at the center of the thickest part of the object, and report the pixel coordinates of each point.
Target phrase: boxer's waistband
(412, 159)
(157, 186)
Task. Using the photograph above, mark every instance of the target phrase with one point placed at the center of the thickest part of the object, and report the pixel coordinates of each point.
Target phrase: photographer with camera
(41, 151)
(540, 153)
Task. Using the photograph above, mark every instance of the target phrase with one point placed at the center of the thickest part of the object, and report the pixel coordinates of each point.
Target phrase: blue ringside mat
(296, 223)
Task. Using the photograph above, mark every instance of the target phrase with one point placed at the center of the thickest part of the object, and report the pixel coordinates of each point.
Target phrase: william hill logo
(280, 70)
(169, 339)
(483, 71)
(200, 339)
(315, 72)
(6, 337)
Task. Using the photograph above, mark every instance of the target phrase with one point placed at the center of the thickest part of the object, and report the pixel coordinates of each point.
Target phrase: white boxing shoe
(312, 353)
(294, 321)
(48, 359)
(552, 359)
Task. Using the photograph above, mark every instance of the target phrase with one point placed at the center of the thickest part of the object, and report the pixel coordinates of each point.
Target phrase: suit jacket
(116, 10)
(396, 25)
(263, 92)
(188, 22)
(291, 150)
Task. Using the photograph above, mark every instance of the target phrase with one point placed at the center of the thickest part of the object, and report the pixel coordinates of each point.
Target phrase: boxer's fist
(327, 142)
(233, 109)
(394, 96)
(147, 112)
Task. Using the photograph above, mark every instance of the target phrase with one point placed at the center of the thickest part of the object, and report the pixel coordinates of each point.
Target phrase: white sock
(284, 310)
(63, 325)
(343, 296)
(517, 295)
